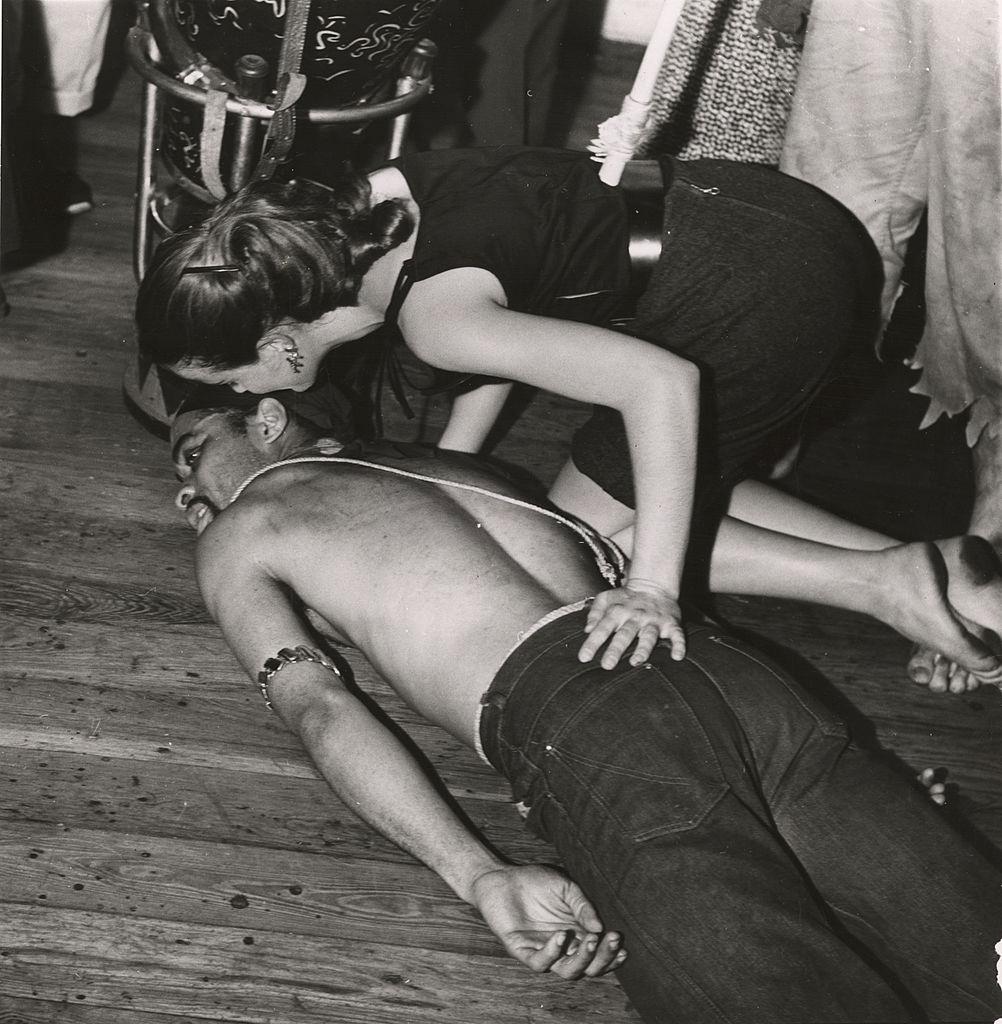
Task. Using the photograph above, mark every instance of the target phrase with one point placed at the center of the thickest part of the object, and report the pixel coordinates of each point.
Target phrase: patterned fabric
(726, 85)
(354, 46)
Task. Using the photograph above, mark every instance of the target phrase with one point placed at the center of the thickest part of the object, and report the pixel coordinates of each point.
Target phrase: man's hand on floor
(545, 921)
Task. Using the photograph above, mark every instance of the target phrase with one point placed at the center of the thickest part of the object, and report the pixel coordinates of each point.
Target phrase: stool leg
(416, 69)
(144, 181)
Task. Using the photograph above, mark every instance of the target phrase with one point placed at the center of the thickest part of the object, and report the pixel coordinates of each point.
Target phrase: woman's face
(285, 361)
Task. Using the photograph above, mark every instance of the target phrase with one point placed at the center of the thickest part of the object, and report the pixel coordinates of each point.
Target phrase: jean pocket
(634, 758)
(764, 683)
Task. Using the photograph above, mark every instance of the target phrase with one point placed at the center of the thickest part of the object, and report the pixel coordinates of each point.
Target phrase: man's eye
(191, 456)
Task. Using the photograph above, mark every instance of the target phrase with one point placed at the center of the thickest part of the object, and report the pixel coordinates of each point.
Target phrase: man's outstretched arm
(541, 917)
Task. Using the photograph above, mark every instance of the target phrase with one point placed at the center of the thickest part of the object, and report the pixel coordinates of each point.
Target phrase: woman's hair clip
(219, 268)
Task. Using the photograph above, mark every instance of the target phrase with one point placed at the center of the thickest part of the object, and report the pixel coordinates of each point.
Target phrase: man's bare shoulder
(239, 530)
(384, 459)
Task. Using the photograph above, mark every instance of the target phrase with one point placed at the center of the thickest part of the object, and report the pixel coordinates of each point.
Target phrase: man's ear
(270, 422)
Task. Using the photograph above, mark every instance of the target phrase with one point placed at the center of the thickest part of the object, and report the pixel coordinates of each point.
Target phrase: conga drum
(225, 78)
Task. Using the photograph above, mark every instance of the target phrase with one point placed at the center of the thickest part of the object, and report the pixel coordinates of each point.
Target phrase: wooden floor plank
(68, 790)
(356, 898)
(243, 974)
(14, 1010)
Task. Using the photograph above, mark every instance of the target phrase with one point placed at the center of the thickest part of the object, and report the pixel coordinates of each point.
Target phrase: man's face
(212, 456)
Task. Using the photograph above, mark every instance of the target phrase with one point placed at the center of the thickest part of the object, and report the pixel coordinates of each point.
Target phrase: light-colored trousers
(63, 46)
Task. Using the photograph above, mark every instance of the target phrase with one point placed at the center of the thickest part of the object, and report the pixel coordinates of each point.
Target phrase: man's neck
(315, 446)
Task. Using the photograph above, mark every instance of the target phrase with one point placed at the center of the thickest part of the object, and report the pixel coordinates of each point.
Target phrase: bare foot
(927, 668)
(974, 587)
(913, 601)
(934, 782)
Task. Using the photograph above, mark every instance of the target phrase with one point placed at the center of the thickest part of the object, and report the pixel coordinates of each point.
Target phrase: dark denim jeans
(760, 866)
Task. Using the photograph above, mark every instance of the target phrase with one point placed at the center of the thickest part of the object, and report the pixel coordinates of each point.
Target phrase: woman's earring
(295, 360)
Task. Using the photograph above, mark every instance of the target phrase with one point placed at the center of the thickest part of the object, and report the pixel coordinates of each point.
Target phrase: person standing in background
(59, 52)
(495, 73)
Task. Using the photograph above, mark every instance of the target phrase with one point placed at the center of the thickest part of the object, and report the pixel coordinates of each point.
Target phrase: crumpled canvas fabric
(897, 107)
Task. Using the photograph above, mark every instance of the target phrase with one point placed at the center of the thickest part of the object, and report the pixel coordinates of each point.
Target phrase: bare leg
(903, 586)
(974, 589)
(783, 551)
(761, 505)
(981, 598)
(582, 497)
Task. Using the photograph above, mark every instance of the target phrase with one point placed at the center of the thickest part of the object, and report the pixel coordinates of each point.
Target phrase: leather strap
(289, 88)
(211, 142)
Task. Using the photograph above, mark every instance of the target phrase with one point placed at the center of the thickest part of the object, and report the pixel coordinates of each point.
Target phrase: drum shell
(353, 48)
(352, 54)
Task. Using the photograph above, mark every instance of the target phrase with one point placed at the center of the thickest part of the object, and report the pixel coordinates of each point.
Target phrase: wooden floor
(167, 854)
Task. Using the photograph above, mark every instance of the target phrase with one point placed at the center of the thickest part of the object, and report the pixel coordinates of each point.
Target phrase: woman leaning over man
(513, 265)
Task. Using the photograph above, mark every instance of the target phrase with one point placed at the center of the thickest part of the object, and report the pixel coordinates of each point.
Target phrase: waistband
(545, 661)
(557, 613)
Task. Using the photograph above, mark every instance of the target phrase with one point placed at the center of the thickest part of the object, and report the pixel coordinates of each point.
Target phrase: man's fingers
(571, 957)
(546, 956)
(607, 957)
(580, 906)
(588, 957)
(591, 957)
(562, 954)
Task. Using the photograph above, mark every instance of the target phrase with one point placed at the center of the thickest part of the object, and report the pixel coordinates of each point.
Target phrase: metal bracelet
(290, 656)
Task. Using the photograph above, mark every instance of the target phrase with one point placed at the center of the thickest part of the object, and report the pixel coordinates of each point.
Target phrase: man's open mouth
(199, 513)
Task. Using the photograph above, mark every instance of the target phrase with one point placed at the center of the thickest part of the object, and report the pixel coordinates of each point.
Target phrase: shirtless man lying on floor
(733, 856)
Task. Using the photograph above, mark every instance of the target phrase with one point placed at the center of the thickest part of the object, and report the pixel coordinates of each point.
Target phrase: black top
(539, 220)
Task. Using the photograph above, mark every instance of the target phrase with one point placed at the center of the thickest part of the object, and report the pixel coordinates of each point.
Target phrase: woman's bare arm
(472, 416)
(458, 320)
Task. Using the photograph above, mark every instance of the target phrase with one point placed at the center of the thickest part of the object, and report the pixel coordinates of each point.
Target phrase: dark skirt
(764, 282)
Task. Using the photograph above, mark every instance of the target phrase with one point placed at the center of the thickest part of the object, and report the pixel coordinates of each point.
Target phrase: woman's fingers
(619, 619)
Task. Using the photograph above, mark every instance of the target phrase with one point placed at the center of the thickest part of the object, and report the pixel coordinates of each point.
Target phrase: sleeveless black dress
(764, 282)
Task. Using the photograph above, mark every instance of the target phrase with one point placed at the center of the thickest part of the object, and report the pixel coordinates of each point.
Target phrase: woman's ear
(270, 421)
(276, 342)
(281, 348)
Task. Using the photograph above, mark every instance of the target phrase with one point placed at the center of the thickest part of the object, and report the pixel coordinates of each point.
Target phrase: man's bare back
(459, 575)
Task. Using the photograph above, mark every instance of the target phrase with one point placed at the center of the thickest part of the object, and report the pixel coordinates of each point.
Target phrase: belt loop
(494, 700)
(646, 222)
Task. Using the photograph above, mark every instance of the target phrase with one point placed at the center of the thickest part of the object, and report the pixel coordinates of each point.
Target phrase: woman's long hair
(271, 253)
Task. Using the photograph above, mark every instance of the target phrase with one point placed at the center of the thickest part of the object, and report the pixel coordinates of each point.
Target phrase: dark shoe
(77, 196)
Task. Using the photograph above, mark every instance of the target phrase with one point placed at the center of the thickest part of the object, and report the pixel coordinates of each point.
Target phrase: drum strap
(211, 144)
(289, 88)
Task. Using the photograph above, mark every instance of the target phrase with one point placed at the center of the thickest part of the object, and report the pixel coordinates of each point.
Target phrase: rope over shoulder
(609, 559)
